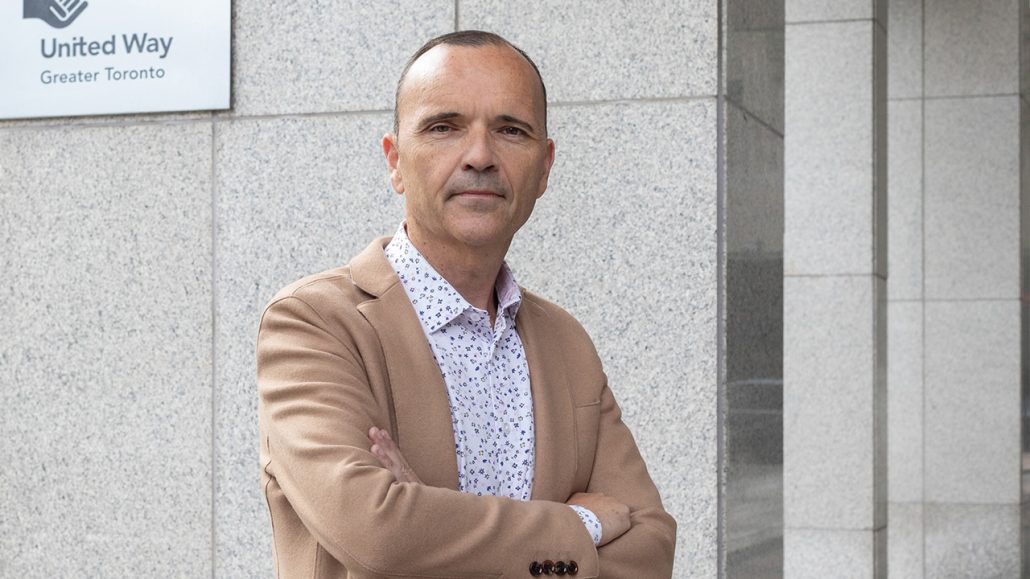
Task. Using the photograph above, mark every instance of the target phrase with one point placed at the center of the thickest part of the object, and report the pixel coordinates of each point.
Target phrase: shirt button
(573, 568)
(535, 569)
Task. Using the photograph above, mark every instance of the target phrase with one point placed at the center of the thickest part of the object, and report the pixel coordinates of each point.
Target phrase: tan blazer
(341, 351)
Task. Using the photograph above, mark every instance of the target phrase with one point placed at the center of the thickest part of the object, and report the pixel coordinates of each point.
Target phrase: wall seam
(214, 347)
(720, 293)
(922, 283)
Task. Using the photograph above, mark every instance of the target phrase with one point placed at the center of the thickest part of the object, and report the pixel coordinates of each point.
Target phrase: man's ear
(393, 162)
(548, 161)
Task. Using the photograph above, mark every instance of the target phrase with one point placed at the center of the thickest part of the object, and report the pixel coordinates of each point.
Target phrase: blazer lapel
(423, 430)
(553, 413)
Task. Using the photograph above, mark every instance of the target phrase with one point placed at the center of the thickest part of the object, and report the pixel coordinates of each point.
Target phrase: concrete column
(835, 289)
(955, 286)
(971, 478)
(905, 369)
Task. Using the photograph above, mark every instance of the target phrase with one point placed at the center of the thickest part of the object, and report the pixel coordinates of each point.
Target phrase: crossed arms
(324, 383)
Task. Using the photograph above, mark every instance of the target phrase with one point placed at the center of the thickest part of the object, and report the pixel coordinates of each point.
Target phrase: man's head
(471, 38)
(469, 151)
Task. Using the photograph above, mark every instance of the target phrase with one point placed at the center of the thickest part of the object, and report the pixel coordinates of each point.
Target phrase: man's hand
(612, 514)
(390, 456)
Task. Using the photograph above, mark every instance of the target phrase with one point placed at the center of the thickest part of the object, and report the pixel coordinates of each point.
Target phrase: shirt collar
(436, 301)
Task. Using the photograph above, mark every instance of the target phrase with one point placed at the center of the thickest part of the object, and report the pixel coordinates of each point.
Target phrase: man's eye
(513, 131)
(439, 129)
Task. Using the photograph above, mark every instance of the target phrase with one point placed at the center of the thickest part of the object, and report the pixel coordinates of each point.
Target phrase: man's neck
(471, 271)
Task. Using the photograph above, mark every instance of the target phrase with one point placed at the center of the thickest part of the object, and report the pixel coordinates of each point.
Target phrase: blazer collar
(553, 412)
(423, 415)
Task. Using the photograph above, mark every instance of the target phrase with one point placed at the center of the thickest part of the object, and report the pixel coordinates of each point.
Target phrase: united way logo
(56, 13)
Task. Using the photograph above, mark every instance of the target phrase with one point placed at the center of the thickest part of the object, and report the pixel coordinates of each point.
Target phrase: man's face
(470, 154)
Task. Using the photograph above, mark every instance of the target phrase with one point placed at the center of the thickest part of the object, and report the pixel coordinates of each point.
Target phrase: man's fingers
(384, 449)
(610, 512)
(382, 455)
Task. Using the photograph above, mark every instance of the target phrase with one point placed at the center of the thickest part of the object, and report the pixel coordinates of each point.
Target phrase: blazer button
(548, 567)
(560, 568)
(573, 568)
(535, 569)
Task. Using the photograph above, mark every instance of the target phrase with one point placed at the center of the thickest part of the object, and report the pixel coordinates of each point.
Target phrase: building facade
(811, 220)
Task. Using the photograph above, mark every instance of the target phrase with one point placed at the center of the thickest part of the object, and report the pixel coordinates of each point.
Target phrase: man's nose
(479, 151)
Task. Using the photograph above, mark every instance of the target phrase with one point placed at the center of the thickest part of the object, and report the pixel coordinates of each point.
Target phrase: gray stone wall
(954, 288)
(140, 250)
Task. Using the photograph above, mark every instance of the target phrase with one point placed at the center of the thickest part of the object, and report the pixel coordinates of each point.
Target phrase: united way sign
(99, 57)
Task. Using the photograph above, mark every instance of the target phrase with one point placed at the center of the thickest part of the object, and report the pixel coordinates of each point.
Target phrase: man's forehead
(457, 62)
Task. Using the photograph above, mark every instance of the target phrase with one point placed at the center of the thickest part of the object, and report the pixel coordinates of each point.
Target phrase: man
(422, 415)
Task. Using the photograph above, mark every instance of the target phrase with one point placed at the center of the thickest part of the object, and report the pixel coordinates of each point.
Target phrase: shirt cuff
(590, 522)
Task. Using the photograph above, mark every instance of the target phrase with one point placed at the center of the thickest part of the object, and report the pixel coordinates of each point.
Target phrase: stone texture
(972, 434)
(905, 200)
(754, 59)
(295, 196)
(105, 352)
(617, 211)
(905, 401)
(972, 541)
(905, 539)
(972, 48)
(905, 49)
(832, 456)
(320, 57)
(817, 554)
(613, 49)
(972, 198)
(829, 163)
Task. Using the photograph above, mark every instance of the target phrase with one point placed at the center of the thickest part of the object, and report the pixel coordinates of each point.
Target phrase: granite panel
(629, 225)
(972, 198)
(905, 49)
(818, 553)
(829, 164)
(972, 48)
(905, 401)
(816, 11)
(972, 392)
(326, 57)
(754, 59)
(105, 352)
(905, 200)
(295, 196)
(905, 540)
(614, 49)
(972, 541)
(832, 454)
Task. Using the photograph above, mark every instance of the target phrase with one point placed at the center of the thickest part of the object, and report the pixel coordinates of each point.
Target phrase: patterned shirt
(487, 378)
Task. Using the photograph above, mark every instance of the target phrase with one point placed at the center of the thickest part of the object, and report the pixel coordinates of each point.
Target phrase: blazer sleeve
(647, 549)
(316, 405)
